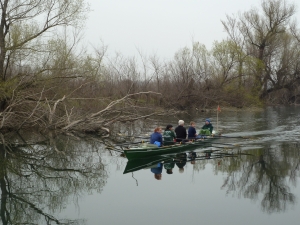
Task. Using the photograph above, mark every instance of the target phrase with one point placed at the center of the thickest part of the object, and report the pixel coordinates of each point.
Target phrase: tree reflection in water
(267, 173)
(38, 178)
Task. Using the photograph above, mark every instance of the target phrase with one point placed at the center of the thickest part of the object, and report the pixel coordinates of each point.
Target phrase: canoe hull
(144, 152)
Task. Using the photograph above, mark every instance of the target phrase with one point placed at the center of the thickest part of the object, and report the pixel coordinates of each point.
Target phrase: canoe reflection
(169, 167)
(157, 171)
(157, 164)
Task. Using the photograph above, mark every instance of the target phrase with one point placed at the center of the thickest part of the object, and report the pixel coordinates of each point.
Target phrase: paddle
(184, 143)
(211, 157)
(208, 142)
(221, 154)
(197, 139)
(218, 137)
(220, 143)
(220, 147)
(190, 140)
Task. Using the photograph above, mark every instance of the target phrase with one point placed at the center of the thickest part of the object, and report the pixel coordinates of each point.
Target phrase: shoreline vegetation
(48, 81)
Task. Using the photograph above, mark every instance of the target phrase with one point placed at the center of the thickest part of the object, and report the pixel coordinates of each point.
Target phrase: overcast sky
(159, 27)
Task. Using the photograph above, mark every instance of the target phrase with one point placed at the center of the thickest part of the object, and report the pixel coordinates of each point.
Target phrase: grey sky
(159, 27)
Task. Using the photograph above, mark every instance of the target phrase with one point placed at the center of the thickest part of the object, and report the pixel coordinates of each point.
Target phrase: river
(67, 180)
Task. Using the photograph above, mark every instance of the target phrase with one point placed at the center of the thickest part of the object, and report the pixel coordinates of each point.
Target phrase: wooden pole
(217, 120)
(218, 109)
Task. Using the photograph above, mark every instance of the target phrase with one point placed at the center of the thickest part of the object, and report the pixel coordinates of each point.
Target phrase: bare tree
(261, 30)
(295, 31)
(24, 22)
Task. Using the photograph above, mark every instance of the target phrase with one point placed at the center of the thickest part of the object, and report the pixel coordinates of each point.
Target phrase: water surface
(72, 181)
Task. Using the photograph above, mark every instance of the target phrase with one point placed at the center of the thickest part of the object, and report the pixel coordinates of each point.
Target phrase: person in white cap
(180, 131)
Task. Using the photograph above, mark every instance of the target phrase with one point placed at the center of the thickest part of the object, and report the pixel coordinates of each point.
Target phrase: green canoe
(150, 162)
(148, 150)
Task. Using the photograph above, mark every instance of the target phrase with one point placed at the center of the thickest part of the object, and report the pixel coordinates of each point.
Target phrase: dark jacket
(208, 127)
(180, 133)
(192, 132)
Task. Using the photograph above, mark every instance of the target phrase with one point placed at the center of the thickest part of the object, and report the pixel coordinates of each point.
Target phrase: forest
(50, 81)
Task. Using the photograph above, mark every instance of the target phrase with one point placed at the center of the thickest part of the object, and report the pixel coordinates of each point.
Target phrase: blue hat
(208, 120)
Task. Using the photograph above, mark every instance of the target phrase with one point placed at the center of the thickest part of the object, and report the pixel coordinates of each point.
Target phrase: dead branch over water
(48, 81)
(43, 113)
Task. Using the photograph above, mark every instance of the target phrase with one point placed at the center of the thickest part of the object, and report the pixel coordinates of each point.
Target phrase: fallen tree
(39, 112)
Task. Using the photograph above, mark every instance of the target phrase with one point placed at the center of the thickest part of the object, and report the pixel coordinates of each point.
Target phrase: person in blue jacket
(156, 137)
(192, 134)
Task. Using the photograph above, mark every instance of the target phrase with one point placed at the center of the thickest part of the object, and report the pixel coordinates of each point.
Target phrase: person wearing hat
(169, 135)
(180, 132)
(208, 126)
